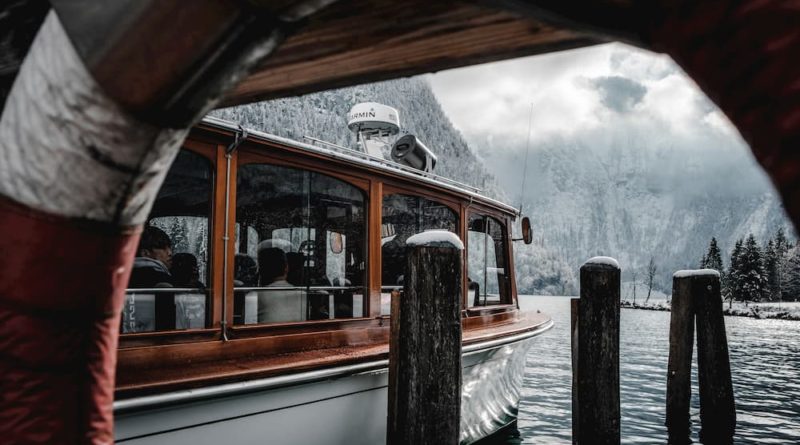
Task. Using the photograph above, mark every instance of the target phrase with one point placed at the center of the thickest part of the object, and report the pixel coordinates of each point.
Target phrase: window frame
(511, 298)
(210, 152)
(249, 155)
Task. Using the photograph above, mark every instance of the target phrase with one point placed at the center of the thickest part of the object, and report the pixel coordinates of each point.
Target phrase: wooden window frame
(505, 220)
(211, 152)
(257, 155)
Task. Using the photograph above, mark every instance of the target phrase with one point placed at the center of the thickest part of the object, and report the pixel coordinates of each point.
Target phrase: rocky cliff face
(633, 198)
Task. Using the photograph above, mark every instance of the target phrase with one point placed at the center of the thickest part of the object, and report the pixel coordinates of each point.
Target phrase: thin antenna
(525, 166)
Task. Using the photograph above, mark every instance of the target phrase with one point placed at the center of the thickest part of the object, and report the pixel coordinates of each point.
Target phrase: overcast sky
(600, 97)
(577, 90)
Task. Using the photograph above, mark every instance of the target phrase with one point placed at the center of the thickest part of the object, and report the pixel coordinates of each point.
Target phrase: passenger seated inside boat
(318, 223)
(185, 272)
(280, 305)
(153, 259)
(167, 291)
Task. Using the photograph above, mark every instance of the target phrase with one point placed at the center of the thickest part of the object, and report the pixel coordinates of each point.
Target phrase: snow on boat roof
(604, 260)
(364, 159)
(696, 273)
(436, 238)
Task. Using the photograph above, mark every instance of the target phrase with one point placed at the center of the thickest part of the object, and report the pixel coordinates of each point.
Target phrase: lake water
(765, 363)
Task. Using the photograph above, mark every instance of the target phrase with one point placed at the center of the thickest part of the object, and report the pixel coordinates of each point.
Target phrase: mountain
(634, 197)
(323, 116)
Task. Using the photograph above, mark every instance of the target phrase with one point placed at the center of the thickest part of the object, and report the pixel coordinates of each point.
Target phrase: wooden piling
(425, 347)
(696, 296)
(596, 387)
(679, 369)
(717, 409)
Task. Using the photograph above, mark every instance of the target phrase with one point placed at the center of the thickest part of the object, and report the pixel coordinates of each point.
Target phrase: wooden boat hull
(339, 405)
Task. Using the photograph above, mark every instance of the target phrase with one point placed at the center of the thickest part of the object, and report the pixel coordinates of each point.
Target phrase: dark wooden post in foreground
(425, 346)
(679, 369)
(717, 409)
(696, 295)
(595, 388)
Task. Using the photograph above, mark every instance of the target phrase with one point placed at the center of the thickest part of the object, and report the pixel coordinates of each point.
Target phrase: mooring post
(679, 369)
(574, 307)
(696, 296)
(425, 346)
(596, 387)
(717, 409)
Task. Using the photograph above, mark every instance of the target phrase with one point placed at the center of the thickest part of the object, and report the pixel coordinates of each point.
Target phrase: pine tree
(753, 278)
(772, 270)
(713, 259)
(790, 290)
(781, 243)
(734, 281)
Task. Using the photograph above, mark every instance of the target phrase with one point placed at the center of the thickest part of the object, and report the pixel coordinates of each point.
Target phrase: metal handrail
(166, 290)
(397, 165)
(268, 288)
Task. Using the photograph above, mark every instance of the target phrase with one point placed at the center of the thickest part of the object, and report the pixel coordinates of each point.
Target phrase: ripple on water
(765, 365)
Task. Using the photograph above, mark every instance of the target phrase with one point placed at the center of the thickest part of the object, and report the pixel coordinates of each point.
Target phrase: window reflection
(301, 243)
(168, 281)
(486, 261)
(404, 216)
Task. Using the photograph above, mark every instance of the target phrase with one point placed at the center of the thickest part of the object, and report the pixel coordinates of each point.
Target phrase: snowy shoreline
(777, 311)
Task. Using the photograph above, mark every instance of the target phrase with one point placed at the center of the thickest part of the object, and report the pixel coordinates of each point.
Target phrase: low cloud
(618, 93)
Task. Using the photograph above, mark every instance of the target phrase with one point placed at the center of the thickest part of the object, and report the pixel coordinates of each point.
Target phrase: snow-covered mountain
(323, 115)
(633, 198)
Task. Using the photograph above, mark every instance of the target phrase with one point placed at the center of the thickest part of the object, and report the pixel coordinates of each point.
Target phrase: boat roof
(362, 159)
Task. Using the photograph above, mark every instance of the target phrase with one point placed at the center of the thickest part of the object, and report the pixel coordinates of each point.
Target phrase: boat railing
(166, 290)
(391, 288)
(311, 288)
(393, 164)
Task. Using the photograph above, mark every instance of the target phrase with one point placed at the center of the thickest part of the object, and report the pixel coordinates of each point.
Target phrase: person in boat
(245, 274)
(280, 305)
(393, 254)
(185, 271)
(153, 259)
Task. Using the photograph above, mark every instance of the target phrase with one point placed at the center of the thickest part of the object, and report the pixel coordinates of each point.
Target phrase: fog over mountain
(626, 158)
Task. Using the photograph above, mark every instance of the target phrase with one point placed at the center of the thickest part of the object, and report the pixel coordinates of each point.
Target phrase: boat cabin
(260, 249)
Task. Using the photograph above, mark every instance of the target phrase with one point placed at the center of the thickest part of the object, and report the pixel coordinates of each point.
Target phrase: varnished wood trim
(375, 265)
(392, 188)
(290, 160)
(152, 370)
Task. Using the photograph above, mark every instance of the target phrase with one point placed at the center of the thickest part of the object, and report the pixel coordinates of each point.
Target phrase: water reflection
(765, 362)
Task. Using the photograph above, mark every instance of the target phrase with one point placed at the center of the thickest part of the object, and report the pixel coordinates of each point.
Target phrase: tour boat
(201, 361)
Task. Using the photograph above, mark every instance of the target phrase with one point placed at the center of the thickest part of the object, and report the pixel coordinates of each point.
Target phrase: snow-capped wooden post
(717, 408)
(425, 345)
(595, 388)
(696, 295)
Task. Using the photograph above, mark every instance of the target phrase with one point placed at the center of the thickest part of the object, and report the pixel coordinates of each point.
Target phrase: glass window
(301, 246)
(403, 216)
(167, 288)
(487, 280)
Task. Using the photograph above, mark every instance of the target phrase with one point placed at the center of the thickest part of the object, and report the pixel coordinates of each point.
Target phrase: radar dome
(371, 117)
